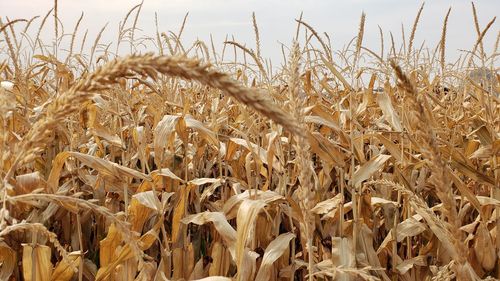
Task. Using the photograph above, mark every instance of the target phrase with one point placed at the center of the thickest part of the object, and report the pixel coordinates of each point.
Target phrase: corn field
(191, 163)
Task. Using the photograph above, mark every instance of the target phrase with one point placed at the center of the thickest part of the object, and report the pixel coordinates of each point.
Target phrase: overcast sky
(275, 18)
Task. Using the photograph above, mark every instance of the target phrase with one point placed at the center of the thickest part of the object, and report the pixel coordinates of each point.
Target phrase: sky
(275, 19)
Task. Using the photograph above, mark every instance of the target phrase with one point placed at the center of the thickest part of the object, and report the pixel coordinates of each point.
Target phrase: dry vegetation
(185, 165)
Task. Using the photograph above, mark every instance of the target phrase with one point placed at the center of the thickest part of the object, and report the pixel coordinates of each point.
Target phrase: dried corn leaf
(326, 268)
(147, 272)
(482, 132)
(202, 181)
(231, 206)
(259, 151)
(321, 121)
(406, 265)
(8, 261)
(377, 201)
(210, 190)
(64, 270)
(126, 252)
(178, 234)
(166, 172)
(163, 136)
(407, 228)
(326, 149)
(343, 256)
(246, 218)
(199, 270)
(106, 134)
(465, 191)
(221, 225)
(437, 228)
(26, 183)
(483, 152)
(273, 137)
(365, 246)
(390, 115)
(148, 199)
(369, 168)
(41, 269)
(207, 134)
(484, 248)
(109, 245)
(108, 167)
(139, 211)
(326, 206)
(273, 251)
(337, 74)
(458, 162)
(393, 149)
(229, 236)
(103, 166)
(221, 259)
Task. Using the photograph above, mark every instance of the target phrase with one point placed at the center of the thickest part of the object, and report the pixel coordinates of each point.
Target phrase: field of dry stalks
(190, 163)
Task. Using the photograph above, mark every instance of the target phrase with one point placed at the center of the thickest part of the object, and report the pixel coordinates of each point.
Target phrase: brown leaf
(164, 137)
(26, 183)
(165, 172)
(247, 215)
(148, 199)
(231, 206)
(390, 115)
(326, 206)
(326, 150)
(484, 248)
(221, 225)
(8, 261)
(64, 269)
(369, 168)
(273, 251)
(207, 134)
(410, 263)
(259, 151)
(42, 268)
(343, 255)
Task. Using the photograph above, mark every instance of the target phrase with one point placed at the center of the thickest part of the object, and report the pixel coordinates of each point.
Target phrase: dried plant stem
(478, 42)
(478, 30)
(442, 44)
(255, 57)
(134, 26)
(37, 38)
(4, 26)
(359, 40)
(73, 36)
(11, 48)
(121, 27)
(257, 36)
(306, 192)
(178, 36)
(315, 34)
(381, 42)
(414, 30)
(56, 28)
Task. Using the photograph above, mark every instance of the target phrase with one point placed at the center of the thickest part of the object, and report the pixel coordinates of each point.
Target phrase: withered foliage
(183, 164)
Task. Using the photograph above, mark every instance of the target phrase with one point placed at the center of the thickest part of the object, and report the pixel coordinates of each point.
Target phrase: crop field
(191, 163)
